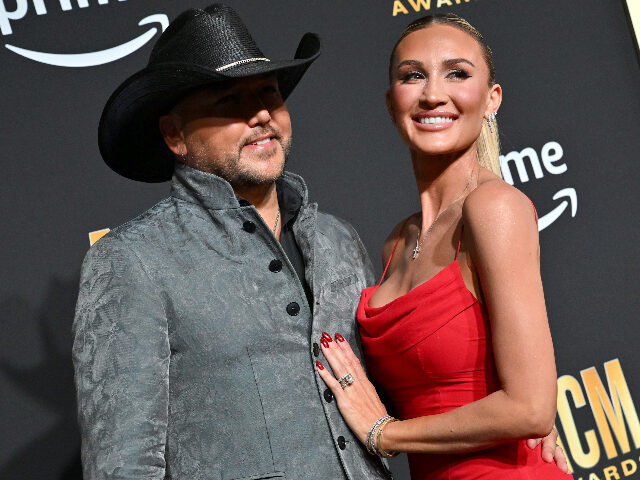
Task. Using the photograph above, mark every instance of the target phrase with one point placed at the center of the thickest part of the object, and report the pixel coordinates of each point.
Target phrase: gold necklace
(416, 250)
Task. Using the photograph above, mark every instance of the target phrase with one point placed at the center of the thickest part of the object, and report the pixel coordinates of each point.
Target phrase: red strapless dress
(430, 349)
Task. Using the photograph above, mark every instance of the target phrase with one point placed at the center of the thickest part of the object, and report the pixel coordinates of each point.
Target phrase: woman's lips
(433, 123)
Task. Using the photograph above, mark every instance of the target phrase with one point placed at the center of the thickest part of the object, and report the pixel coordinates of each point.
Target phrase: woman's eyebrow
(416, 63)
(453, 61)
(447, 63)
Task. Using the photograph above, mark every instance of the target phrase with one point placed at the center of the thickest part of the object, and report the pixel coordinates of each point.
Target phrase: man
(194, 350)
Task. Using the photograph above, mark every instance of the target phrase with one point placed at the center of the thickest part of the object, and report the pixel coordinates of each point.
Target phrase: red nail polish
(324, 342)
(327, 336)
(339, 337)
(319, 365)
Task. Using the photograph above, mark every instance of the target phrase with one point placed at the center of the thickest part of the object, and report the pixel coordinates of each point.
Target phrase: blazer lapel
(304, 230)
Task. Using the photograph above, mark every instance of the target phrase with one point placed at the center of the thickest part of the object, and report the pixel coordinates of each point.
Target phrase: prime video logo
(551, 154)
(84, 59)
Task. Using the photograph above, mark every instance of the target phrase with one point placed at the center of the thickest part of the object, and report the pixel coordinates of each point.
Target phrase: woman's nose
(433, 93)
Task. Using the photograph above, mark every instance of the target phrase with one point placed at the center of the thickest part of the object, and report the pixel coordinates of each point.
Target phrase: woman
(457, 333)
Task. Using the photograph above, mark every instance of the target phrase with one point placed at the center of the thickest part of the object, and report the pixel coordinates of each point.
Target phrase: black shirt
(290, 204)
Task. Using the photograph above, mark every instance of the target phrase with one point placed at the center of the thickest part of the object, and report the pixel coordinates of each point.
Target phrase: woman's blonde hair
(488, 143)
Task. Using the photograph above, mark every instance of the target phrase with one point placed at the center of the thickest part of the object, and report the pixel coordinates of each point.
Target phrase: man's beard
(229, 167)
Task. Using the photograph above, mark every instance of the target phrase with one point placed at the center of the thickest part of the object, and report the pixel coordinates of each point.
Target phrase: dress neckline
(411, 292)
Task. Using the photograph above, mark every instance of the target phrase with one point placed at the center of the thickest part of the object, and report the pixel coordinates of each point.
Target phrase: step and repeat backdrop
(570, 125)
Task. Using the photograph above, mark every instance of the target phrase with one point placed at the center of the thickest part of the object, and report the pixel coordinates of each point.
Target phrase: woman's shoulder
(496, 204)
(394, 236)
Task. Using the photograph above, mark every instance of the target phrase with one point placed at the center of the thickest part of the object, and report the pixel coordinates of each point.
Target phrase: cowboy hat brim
(129, 138)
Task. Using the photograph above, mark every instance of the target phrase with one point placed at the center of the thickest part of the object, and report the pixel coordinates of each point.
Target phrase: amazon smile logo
(80, 59)
(548, 161)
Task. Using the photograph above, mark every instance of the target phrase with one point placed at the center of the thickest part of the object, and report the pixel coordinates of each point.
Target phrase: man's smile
(262, 142)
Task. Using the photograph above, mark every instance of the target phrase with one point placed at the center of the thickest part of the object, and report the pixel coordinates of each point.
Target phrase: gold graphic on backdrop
(97, 235)
(633, 7)
(617, 427)
(405, 6)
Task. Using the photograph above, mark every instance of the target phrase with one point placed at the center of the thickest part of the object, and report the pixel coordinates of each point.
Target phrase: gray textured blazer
(194, 361)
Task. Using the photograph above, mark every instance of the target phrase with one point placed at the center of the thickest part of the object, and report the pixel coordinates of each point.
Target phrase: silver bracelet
(376, 441)
(369, 443)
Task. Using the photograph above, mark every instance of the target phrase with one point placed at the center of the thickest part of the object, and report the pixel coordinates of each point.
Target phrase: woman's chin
(438, 150)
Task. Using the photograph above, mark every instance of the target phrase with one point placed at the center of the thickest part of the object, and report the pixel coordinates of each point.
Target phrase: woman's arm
(502, 237)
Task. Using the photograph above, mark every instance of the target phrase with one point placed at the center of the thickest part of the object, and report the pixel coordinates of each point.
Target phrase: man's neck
(265, 199)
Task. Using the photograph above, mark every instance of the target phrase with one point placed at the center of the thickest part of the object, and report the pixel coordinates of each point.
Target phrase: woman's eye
(413, 75)
(459, 74)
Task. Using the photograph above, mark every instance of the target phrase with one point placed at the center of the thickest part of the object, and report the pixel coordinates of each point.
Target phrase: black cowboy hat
(200, 47)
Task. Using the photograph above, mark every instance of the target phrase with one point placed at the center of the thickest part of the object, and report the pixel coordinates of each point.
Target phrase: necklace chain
(275, 227)
(420, 238)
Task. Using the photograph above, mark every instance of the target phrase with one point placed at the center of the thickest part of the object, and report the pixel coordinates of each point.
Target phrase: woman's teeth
(435, 120)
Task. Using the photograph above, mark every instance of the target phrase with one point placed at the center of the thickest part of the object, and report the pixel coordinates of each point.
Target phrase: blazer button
(249, 226)
(293, 309)
(316, 349)
(342, 442)
(328, 396)
(275, 266)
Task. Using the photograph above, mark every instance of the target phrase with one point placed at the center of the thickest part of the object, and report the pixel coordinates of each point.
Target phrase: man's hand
(551, 451)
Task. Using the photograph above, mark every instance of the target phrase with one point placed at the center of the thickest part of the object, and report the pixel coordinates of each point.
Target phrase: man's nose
(260, 117)
(259, 112)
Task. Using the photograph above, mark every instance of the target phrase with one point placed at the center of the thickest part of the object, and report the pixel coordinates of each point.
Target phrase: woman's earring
(491, 120)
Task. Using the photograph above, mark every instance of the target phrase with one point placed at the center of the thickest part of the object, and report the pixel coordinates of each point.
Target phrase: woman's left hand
(358, 402)
(551, 451)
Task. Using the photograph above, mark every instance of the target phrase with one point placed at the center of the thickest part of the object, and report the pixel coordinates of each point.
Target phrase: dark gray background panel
(570, 75)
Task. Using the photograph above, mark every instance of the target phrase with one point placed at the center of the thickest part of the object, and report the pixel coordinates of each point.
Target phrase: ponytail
(488, 148)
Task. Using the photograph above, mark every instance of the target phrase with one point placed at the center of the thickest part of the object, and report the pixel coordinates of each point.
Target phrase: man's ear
(169, 127)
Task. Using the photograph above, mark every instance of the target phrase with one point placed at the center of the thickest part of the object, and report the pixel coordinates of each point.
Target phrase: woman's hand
(358, 402)
(551, 451)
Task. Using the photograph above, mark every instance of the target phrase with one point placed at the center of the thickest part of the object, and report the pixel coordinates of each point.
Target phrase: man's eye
(227, 99)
